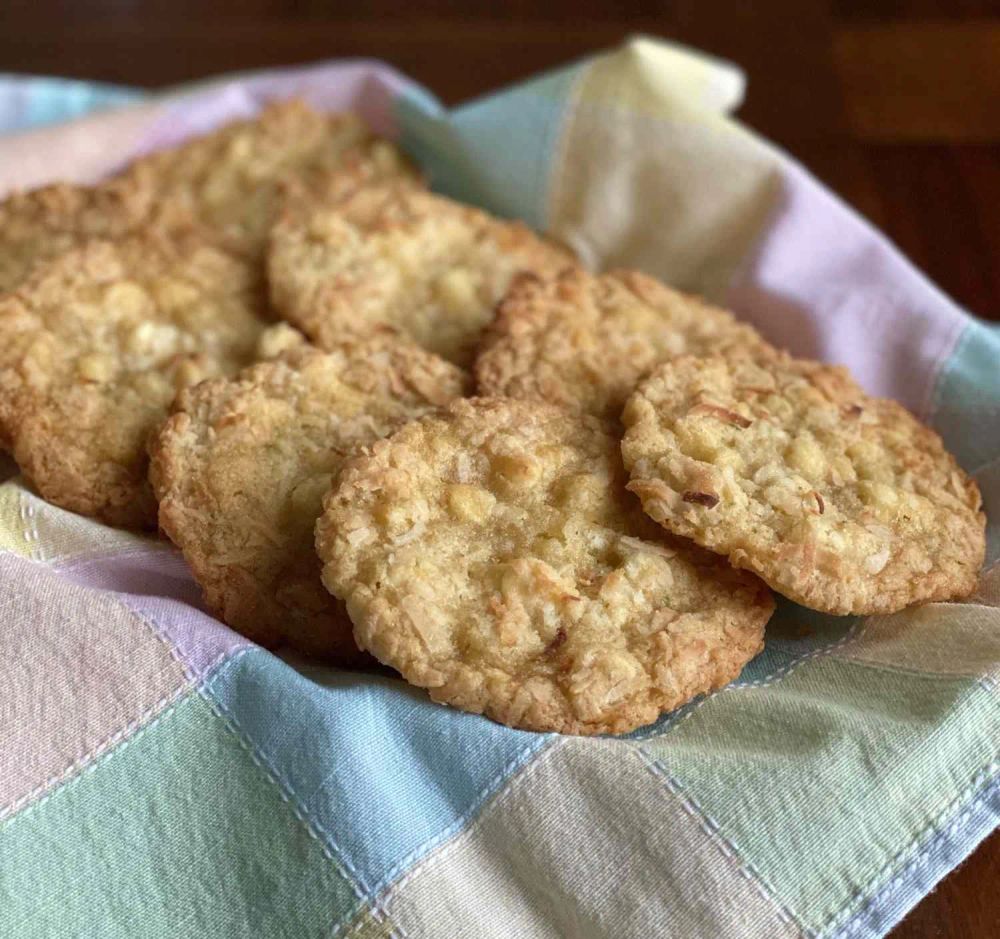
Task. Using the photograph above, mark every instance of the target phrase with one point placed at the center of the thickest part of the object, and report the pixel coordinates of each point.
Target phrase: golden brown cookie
(241, 466)
(491, 554)
(583, 341)
(842, 502)
(93, 348)
(231, 181)
(394, 255)
(40, 225)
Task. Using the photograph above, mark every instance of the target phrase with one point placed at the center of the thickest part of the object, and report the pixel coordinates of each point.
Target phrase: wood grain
(894, 103)
(926, 81)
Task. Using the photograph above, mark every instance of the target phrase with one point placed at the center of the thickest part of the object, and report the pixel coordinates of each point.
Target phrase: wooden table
(893, 103)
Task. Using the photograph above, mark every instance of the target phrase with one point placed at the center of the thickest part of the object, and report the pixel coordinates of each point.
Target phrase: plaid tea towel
(160, 777)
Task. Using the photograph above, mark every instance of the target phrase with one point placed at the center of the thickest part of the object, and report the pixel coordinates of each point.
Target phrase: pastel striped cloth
(159, 777)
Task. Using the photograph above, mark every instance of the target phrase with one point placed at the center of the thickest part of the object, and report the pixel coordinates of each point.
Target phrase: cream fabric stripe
(33, 528)
(76, 669)
(586, 841)
(17, 523)
(937, 638)
(682, 196)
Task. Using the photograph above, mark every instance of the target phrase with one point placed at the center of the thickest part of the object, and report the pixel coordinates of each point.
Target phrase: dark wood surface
(893, 103)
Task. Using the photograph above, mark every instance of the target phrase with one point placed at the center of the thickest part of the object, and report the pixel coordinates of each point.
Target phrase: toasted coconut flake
(724, 414)
(639, 545)
(707, 499)
(880, 532)
(557, 640)
(407, 536)
(877, 561)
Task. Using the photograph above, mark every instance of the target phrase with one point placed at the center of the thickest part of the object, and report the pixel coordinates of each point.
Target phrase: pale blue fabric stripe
(28, 101)
(496, 152)
(383, 771)
(966, 406)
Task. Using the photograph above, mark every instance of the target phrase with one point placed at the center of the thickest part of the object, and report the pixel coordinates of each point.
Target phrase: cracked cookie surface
(584, 341)
(491, 554)
(241, 466)
(394, 255)
(840, 501)
(93, 348)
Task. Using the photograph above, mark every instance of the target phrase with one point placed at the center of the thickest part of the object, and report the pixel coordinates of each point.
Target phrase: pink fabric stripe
(825, 284)
(368, 88)
(89, 148)
(78, 671)
(155, 584)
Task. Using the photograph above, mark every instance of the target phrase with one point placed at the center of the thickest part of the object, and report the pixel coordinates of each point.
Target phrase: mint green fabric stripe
(966, 405)
(966, 413)
(787, 773)
(176, 833)
(497, 152)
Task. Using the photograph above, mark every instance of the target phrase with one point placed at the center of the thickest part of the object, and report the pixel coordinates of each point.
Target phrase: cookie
(491, 554)
(394, 255)
(241, 466)
(231, 180)
(843, 502)
(93, 348)
(583, 341)
(40, 225)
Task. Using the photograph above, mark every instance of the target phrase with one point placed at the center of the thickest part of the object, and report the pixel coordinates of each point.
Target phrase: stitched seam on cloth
(459, 838)
(859, 903)
(157, 631)
(170, 704)
(331, 850)
(854, 633)
(83, 762)
(725, 845)
(29, 526)
(175, 653)
(879, 900)
(479, 803)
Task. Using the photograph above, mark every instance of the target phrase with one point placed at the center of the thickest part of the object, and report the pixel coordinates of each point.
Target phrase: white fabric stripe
(586, 842)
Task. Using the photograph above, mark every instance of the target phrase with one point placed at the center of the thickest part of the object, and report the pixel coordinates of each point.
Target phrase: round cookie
(231, 180)
(843, 502)
(93, 347)
(241, 466)
(491, 554)
(393, 255)
(583, 341)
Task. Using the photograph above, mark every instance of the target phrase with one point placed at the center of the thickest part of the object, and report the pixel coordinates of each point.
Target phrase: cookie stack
(380, 423)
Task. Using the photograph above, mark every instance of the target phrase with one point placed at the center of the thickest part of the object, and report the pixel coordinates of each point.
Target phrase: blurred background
(895, 104)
